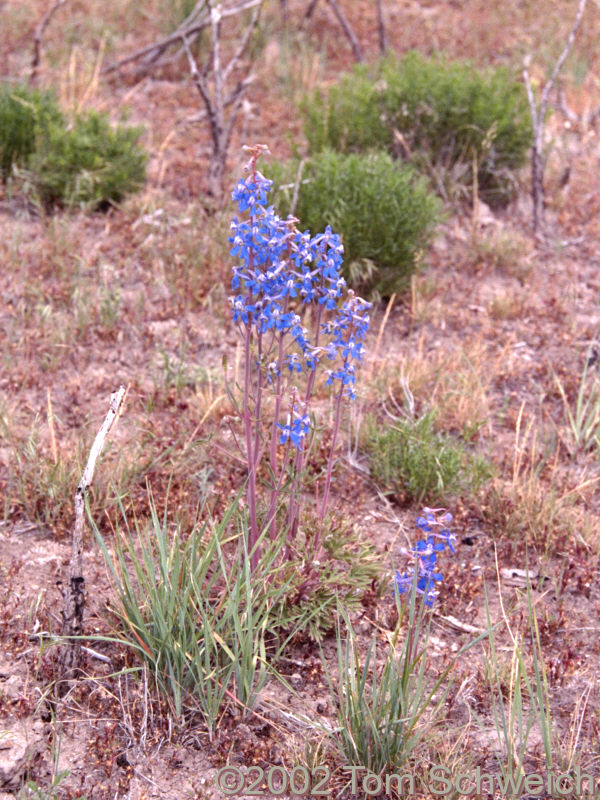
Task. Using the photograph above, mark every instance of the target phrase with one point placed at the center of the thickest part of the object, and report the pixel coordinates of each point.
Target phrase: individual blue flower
(293, 362)
(239, 309)
(273, 371)
(295, 431)
(425, 587)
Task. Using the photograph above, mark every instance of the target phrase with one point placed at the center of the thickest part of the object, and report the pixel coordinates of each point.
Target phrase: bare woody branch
(74, 594)
(38, 37)
(346, 27)
(310, 9)
(563, 56)
(197, 21)
(383, 42)
(215, 98)
(538, 117)
(586, 119)
(562, 104)
(345, 24)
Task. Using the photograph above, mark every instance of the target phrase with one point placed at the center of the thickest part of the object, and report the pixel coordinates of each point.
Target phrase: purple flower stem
(250, 450)
(294, 516)
(336, 430)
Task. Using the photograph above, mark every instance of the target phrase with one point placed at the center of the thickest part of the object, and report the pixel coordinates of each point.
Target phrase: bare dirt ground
(138, 296)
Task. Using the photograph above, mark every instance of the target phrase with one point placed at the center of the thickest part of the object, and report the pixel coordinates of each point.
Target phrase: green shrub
(443, 115)
(384, 212)
(91, 164)
(412, 463)
(24, 116)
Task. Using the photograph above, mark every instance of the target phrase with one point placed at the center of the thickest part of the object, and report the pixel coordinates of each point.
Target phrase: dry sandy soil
(137, 296)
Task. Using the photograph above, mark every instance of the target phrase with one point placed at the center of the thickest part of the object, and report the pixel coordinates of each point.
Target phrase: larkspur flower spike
(278, 270)
(425, 554)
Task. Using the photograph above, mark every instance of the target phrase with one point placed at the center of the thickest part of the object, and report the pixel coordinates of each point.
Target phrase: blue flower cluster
(425, 554)
(295, 430)
(280, 270)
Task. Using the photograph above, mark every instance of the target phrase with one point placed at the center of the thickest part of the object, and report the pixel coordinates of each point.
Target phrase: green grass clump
(208, 629)
(193, 612)
(91, 164)
(413, 463)
(384, 212)
(24, 116)
(386, 702)
(443, 116)
(380, 706)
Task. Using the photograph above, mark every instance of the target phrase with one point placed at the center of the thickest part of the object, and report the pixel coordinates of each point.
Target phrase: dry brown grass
(138, 295)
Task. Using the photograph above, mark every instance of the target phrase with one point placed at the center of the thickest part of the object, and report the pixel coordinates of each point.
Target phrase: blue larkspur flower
(295, 431)
(425, 554)
(278, 270)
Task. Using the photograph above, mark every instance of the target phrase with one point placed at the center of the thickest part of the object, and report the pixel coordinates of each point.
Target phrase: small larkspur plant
(281, 272)
(425, 554)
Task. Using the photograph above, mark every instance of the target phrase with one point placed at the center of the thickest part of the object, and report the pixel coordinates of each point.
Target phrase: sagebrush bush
(442, 115)
(383, 210)
(24, 116)
(411, 462)
(90, 164)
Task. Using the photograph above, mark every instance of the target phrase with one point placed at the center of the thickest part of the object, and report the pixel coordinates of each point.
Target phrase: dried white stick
(215, 26)
(562, 104)
(342, 19)
(243, 44)
(74, 595)
(97, 655)
(297, 188)
(587, 119)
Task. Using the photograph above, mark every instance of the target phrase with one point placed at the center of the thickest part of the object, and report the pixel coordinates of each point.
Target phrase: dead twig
(383, 42)
(310, 10)
(297, 187)
(538, 118)
(39, 35)
(562, 105)
(74, 594)
(214, 98)
(350, 35)
(343, 20)
(195, 22)
(585, 120)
